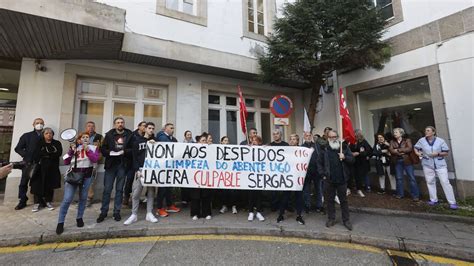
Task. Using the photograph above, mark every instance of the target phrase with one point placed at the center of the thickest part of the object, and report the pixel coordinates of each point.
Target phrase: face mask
(39, 126)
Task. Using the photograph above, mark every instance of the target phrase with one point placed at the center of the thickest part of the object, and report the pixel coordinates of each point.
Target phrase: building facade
(181, 61)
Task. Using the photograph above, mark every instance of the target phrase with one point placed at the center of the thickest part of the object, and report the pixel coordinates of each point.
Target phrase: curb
(393, 243)
(420, 215)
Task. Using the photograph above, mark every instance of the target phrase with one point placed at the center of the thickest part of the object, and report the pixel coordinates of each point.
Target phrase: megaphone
(69, 134)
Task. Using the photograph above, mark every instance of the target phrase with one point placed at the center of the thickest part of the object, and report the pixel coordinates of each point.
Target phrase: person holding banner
(200, 197)
(188, 137)
(333, 166)
(312, 176)
(166, 135)
(228, 196)
(285, 195)
(252, 133)
(277, 141)
(139, 152)
(255, 196)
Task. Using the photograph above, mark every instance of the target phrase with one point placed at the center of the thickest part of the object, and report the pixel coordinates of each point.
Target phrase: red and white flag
(347, 129)
(243, 112)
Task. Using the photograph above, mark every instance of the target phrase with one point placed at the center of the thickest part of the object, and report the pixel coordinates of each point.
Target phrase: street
(209, 249)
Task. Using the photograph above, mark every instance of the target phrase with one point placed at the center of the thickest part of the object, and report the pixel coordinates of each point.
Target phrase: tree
(316, 37)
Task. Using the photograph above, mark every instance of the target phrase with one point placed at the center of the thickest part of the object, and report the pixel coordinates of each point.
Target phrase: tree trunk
(315, 89)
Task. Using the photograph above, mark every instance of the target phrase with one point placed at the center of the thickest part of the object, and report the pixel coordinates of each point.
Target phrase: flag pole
(340, 133)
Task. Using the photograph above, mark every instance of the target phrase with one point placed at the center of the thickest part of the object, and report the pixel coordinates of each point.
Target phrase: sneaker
(151, 218)
(144, 200)
(101, 217)
(234, 209)
(280, 218)
(223, 209)
(368, 189)
(300, 220)
(162, 213)
(133, 218)
(348, 225)
(381, 192)
(453, 206)
(348, 192)
(330, 223)
(195, 218)
(173, 209)
(60, 228)
(21, 205)
(208, 217)
(260, 217)
(432, 203)
(36, 207)
(398, 197)
(80, 222)
(360, 194)
(117, 217)
(49, 205)
(336, 199)
(251, 216)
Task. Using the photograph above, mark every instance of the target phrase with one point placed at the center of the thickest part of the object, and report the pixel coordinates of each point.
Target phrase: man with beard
(117, 150)
(333, 166)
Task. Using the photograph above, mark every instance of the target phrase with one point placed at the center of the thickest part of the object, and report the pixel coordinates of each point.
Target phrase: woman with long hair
(201, 197)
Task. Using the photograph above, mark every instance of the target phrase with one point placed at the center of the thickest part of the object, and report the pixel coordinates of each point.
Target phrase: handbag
(74, 178)
(414, 158)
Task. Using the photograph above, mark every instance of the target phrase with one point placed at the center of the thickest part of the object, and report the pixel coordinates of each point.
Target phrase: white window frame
(198, 17)
(109, 100)
(181, 6)
(223, 108)
(255, 16)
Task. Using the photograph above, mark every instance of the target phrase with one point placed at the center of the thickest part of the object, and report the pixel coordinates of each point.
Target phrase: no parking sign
(281, 106)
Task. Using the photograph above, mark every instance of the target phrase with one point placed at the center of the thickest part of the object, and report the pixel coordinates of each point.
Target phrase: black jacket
(282, 143)
(139, 151)
(362, 163)
(109, 144)
(313, 161)
(48, 175)
(27, 145)
(324, 167)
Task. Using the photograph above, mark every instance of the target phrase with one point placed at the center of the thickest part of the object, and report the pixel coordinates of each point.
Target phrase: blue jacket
(162, 137)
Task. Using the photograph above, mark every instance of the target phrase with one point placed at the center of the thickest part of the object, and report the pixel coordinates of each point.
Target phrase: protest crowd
(335, 170)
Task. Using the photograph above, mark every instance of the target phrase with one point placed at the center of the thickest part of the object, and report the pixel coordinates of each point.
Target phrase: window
(193, 11)
(406, 104)
(102, 101)
(256, 17)
(224, 118)
(185, 6)
(385, 7)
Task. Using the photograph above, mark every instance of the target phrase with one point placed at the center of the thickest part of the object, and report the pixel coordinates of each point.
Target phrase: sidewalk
(444, 238)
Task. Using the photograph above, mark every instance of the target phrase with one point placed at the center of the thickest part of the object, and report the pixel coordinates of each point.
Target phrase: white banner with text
(169, 164)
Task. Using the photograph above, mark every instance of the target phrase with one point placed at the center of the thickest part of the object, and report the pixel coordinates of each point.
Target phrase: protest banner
(216, 166)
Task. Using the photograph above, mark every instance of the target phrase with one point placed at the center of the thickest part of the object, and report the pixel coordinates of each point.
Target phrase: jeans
(113, 174)
(318, 188)
(69, 191)
(399, 168)
(129, 183)
(331, 191)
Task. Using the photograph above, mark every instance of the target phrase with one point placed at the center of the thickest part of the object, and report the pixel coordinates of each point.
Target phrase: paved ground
(449, 239)
(239, 251)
